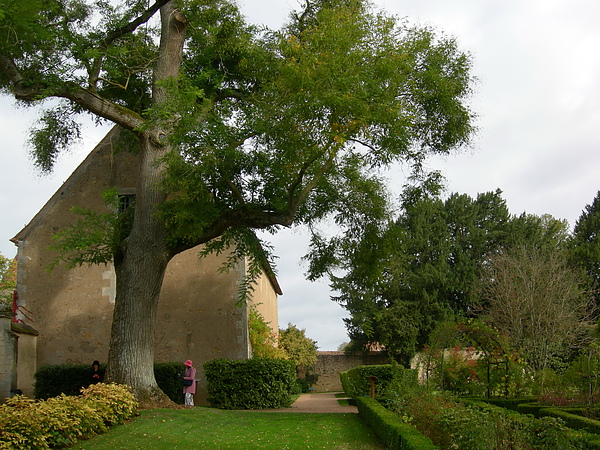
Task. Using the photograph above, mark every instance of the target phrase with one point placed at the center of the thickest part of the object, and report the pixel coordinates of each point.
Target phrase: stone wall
(330, 364)
(8, 355)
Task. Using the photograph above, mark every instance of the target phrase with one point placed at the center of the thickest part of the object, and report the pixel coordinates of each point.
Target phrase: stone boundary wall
(330, 364)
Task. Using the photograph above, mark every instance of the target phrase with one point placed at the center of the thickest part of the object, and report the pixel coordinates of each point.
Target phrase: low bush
(389, 427)
(62, 420)
(509, 403)
(250, 384)
(573, 421)
(69, 379)
(168, 377)
(472, 424)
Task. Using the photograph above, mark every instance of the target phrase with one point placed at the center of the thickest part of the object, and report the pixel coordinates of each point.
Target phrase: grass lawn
(208, 428)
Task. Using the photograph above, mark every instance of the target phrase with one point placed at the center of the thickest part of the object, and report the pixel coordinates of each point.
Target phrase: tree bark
(140, 268)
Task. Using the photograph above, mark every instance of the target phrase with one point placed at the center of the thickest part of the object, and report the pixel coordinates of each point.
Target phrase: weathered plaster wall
(8, 356)
(198, 318)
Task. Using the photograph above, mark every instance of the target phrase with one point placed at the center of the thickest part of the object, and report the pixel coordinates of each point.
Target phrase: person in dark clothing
(96, 375)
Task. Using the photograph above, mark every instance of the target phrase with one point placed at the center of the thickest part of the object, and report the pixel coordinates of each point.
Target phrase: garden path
(319, 402)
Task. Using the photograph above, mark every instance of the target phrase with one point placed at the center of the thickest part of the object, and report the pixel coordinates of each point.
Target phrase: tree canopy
(585, 243)
(297, 346)
(238, 128)
(8, 279)
(400, 280)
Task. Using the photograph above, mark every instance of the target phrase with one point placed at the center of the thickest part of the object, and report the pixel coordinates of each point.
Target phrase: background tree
(585, 244)
(262, 338)
(403, 279)
(297, 346)
(8, 279)
(236, 129)
(539, 303)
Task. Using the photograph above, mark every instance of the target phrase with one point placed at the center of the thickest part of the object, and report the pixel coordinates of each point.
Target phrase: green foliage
(538, 301)
(55, 133)
(297, 346)
(262, 337)
(69, 379)
(250, 384)
(254, 129)
(476, 425)
(405, 277)
(95, 237)
(356, 384)
(585, 243)
(61, 421)
(467, 357)
(574, 421)
(168, 377)
(8, 279)
(389, 427)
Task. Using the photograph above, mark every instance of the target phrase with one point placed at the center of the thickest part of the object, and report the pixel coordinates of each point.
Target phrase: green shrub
(68, 379)
(390, 428)
(168, 377)
(250, 384)
(573, 421)
(355, 382)
(472, 424)
(62, 420)
(509, 403)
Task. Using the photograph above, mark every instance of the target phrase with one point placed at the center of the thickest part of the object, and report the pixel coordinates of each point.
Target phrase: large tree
(238, 129)
(539, 302)
(401, 279)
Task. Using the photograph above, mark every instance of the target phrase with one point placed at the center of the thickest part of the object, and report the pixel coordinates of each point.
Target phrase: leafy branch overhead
(270, 128)
(237, 127)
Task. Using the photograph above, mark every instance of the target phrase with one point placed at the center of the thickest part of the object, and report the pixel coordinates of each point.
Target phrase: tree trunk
(140, 268)
(140, 272)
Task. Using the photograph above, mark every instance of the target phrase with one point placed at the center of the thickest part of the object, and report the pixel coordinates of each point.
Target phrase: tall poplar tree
(238, 128)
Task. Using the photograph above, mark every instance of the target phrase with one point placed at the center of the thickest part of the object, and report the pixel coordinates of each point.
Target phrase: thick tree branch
(30, 92)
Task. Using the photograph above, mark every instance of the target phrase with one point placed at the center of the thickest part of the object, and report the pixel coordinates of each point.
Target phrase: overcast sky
(538, 101)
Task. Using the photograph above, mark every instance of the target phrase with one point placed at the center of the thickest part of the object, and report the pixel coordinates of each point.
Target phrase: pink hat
(188, 363)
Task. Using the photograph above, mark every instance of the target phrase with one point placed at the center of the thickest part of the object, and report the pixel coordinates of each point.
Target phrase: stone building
(198, 317)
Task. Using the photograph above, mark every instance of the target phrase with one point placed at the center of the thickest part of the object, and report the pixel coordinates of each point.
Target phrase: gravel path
(321, 402)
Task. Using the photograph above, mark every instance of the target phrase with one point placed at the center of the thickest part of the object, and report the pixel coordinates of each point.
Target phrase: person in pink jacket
(189, 391)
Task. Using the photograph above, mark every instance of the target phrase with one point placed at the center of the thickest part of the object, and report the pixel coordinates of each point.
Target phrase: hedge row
(68, 379)
(250, 384)
(356, 384)
(389, 427)
(61, 421)
(574, 421)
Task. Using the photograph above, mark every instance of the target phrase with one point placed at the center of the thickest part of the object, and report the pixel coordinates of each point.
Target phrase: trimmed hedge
(356, 384)
(508, 403)
(573, 421)
(586, 430)
(389, 427)
(61, 421)
(69, 379)
(250, 384)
